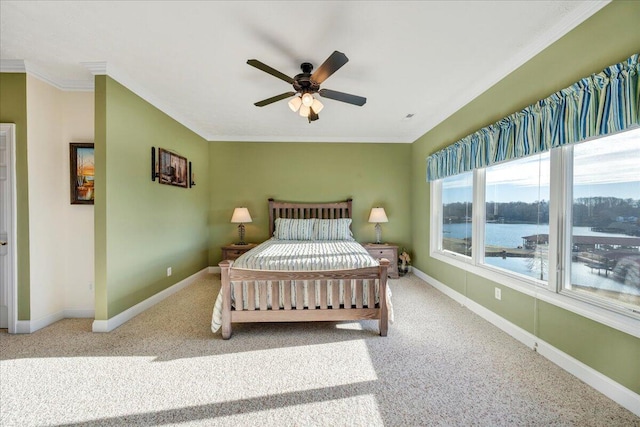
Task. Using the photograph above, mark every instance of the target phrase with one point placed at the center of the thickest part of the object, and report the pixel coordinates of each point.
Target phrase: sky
(520, 180)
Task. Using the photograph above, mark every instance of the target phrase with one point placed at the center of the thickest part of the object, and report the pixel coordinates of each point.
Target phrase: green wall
(13, 109)
(142, 227)
(248, 173)
(608, 37)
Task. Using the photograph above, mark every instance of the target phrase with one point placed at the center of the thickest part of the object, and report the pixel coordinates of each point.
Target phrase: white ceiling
(189, 58)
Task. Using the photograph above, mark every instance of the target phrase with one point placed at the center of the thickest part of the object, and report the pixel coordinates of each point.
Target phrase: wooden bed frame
(317, 310)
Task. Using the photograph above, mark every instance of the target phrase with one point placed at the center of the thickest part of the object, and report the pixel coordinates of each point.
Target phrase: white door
(8, 294)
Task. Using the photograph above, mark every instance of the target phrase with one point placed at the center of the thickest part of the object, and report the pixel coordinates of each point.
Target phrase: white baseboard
(605, 385)
(42, 322)
(119, 319)
(23, 327)
(29, 326)
(214, 270)
(78, 313)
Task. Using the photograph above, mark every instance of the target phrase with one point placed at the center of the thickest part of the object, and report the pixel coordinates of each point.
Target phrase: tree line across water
(587, 212)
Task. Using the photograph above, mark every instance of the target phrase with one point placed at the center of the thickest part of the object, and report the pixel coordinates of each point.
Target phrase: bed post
(384, 313)
(272, 219)
(226, 298)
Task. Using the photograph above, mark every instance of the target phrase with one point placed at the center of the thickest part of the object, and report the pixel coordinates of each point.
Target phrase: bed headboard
(330, 210)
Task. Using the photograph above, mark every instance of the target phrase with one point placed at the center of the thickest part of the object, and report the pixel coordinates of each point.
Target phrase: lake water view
(511, 236)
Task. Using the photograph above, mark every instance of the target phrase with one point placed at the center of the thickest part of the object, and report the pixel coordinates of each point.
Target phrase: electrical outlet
(169, 271)
(498, 293)
(91, 286)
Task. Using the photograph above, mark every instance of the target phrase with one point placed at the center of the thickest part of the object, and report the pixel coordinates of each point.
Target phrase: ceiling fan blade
(329, 66)
(274, 99)
(344, 97)
(264, 67)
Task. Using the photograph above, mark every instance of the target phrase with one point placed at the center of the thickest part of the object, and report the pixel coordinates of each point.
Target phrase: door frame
(8, 130)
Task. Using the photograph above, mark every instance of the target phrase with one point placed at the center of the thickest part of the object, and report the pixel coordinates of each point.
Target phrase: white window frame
(560, 205)
(565, 230)
(436, 224)
(479, 236)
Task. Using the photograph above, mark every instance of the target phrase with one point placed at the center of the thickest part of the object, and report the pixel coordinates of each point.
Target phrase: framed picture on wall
(81, 156)
(172, 169)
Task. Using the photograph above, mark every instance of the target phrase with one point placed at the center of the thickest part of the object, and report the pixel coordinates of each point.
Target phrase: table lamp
(378, 215)
(240, 216)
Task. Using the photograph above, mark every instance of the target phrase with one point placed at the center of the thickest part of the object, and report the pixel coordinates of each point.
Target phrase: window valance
(597, 105)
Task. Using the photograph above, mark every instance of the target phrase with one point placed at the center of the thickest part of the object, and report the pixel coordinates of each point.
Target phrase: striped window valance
(597, 105)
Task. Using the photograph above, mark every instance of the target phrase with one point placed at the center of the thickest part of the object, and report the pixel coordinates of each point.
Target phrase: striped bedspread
(288, 255)
(306, 255)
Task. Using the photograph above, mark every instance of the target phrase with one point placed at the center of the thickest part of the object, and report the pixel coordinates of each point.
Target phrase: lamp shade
(307, 100)
(378, 215)
(295, 103)
(317, 106)
(240, 215)
(304, 111)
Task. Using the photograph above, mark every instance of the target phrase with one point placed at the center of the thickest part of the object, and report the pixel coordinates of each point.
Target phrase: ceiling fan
(306, 84)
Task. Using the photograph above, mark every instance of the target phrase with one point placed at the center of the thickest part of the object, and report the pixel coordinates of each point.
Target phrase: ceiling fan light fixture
(304, 110)
(317, 106)
(295, 103)
(306, 84)
(307, 100)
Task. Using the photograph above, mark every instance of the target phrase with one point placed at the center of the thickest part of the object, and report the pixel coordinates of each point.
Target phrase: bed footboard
(274, 305)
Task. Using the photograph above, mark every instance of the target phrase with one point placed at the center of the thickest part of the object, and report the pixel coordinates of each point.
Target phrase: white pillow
(333, 229)
(294, 229)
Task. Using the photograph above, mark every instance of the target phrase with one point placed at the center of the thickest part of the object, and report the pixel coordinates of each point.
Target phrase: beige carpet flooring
(440, 365)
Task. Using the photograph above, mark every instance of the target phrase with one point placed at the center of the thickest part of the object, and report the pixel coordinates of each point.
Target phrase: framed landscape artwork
(172, 169)
(81, 156)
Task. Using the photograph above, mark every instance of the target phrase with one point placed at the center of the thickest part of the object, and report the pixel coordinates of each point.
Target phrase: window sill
(628, 323)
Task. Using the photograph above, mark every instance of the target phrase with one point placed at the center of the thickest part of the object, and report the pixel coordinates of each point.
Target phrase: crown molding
(537, 45)
(322, 139)
(12, 66)
(97, 68)
(77, 85)
(22, 66)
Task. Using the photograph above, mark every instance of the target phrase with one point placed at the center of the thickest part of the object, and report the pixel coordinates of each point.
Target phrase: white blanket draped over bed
(294, 255)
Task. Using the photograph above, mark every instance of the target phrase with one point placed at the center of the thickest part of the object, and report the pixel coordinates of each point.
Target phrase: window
(457, 196)
(567, 221)
(516, 229)
(605, 238)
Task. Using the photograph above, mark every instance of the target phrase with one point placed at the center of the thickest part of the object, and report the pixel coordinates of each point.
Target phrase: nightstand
(233, 251)
(385, 250)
